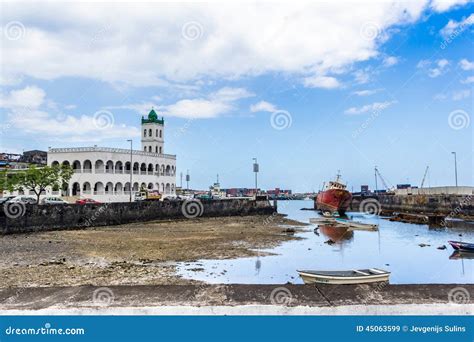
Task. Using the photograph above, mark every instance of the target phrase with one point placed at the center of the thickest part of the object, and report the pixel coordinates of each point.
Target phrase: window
(149, 148)
(156, 132)
(160, 133)
(156, 149)
(144, 148)
(161, 151)
(149, 132)
(144, 132)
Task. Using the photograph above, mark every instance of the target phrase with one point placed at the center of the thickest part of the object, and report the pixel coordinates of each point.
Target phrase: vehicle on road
(6, 199)
(23, 199)
(87, 201)
(53, 200)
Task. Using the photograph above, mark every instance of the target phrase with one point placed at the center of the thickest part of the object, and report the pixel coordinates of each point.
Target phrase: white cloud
(468, 80)
(147, 46)
(217, 103)
(374, 107)
(366, 92)
(325, 82)
(434, 69)
(26, 114)
(461, 94)
(362, 76)
(444, 5)
(30, 97)
(454, 28)
(390, 61)
(263, 106)
(466, 65)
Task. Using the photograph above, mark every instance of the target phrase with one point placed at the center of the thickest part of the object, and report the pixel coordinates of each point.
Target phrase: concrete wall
(447, 205)
(439, 190)
(56, 217)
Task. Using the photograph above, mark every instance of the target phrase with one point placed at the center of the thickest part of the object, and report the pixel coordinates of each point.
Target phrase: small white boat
(358, 225)
(371, 275)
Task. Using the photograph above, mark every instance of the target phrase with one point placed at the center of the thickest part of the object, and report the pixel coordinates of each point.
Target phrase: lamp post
(188, 178)
(255, 169)
(131, 168)
(455, 168)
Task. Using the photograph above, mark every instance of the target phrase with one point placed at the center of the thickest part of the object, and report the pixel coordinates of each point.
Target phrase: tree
(38, 179)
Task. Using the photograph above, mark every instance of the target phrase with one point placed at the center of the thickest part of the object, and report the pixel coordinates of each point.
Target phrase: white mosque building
(109, 174)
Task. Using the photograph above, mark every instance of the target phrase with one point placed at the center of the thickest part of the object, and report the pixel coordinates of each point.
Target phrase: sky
(307, 88)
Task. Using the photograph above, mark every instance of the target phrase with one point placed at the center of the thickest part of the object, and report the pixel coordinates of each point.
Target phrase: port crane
(379, 175)
(424, 177)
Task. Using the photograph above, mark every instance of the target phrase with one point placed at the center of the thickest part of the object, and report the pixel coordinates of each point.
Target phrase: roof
(153, 118)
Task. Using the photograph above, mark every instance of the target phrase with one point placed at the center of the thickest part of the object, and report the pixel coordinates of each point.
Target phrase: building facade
(110, 174)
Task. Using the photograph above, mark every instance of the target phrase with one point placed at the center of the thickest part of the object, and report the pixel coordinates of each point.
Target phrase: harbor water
(395, 247)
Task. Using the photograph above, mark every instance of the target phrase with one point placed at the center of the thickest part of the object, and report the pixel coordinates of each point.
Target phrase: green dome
(153, 118)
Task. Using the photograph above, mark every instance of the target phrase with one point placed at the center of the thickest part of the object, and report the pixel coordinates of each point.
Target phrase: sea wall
(30, 218)
(440, 205)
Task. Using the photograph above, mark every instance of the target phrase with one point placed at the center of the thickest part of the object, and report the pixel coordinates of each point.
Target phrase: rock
(442, 247)
(330, 242)
(424, 245)
(289, 230)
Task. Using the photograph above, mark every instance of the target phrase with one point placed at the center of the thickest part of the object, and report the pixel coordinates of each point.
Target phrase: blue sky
(307, 88)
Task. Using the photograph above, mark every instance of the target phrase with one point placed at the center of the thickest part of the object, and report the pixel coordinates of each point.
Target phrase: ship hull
(333, 200)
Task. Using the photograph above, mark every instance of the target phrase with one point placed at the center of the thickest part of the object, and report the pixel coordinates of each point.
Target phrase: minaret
(153, 133)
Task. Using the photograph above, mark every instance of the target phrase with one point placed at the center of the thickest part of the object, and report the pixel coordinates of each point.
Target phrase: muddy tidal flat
(134, 254)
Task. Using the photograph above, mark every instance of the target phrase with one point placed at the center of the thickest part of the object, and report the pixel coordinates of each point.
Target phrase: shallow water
(395, 248)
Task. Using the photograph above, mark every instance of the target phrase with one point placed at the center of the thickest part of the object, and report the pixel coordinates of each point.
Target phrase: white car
(23, 199)
(53, 200)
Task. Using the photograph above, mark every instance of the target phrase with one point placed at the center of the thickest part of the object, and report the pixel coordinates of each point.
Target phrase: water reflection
(394, 247)
(461, 255)
(337, 233)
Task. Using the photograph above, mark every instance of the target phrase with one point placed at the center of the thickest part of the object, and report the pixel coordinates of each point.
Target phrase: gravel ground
(132, 254)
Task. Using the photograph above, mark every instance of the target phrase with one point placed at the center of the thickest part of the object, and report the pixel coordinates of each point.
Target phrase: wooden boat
(462, 246)
(338, 222)
(371, 275)
(358, 225)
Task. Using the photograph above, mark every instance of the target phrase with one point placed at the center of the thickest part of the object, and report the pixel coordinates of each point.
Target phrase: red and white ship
(335, 198)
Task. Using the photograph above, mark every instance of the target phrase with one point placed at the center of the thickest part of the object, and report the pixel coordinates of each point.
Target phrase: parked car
(23, 199)
(6, 199)
(87, 201)
(53, 200)
(171, 198)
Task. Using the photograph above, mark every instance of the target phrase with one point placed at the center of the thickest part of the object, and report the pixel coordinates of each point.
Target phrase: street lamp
(188, 178)
(131, 167)
(255, 169)
(455, 168)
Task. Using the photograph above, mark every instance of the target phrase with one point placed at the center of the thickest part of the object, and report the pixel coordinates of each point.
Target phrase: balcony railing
(87, 171)
(109, 171)
(77, 171)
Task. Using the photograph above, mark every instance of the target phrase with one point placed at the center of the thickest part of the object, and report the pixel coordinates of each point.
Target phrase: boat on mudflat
(371, 275)
(462, 246)
(334, 199)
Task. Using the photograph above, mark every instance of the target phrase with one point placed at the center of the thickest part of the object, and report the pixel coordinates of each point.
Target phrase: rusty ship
(334, 198)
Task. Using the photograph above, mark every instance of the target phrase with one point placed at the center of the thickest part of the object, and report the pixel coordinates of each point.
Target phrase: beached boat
(371, 275)
(334, 199)
(462, 246)
(338, 222)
